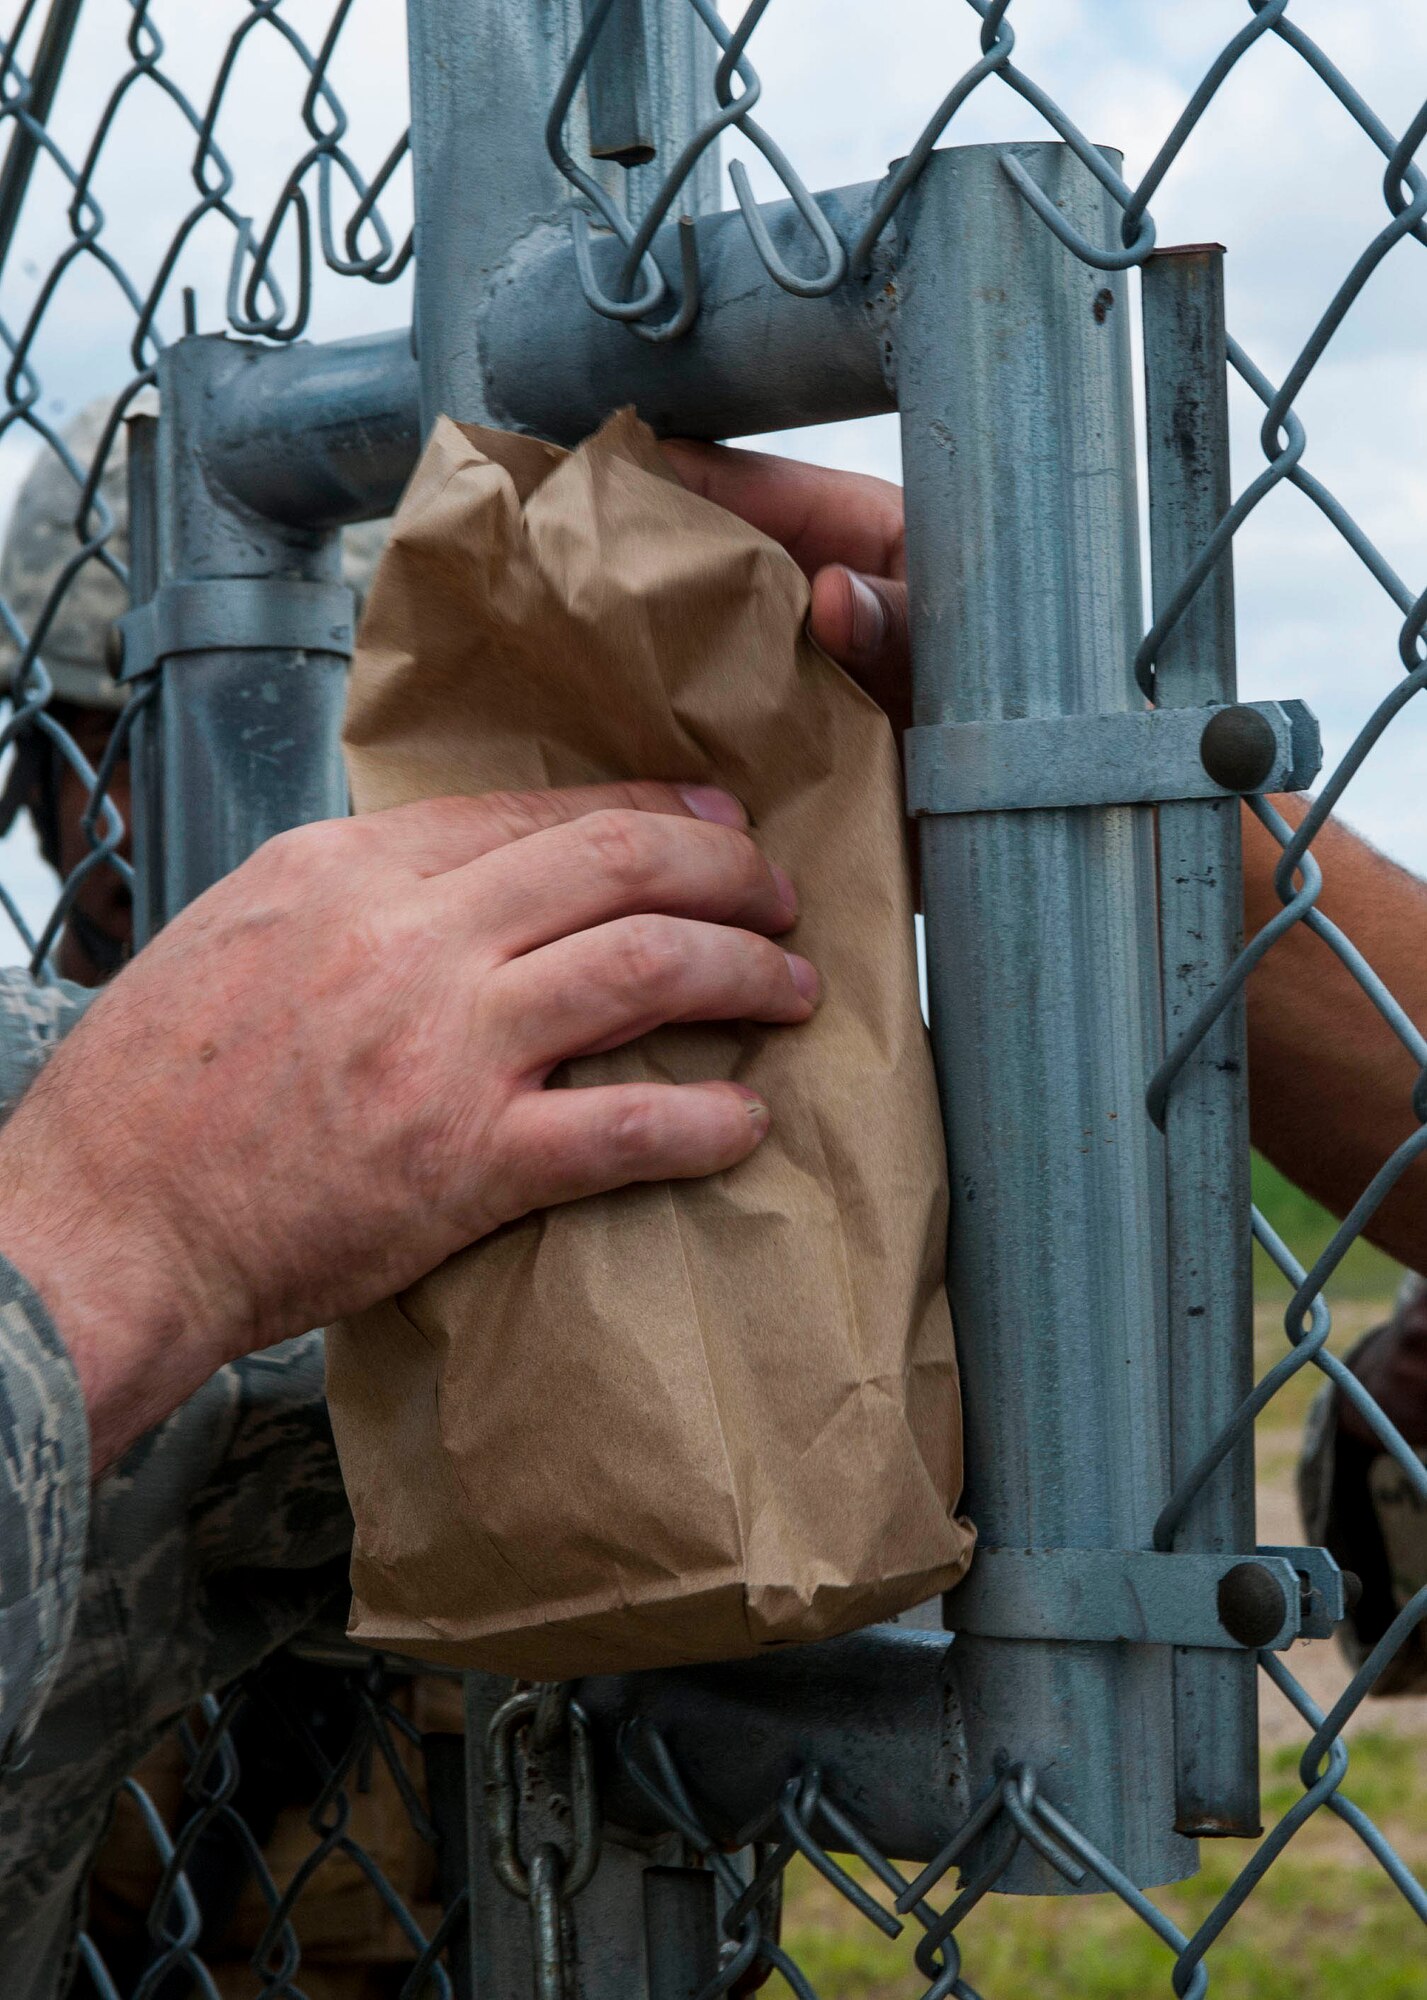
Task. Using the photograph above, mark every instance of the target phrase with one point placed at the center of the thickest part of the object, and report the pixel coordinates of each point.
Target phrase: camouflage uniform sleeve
(34, 1019)
(44, 1507)
(1357, 1504)
(220, 1534)
(44, 1438)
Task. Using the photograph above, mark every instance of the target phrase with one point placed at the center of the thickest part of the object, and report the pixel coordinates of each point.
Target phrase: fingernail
(869, 616)
(804, 977)
(753, 1104)
(709, 802)
(783, 883)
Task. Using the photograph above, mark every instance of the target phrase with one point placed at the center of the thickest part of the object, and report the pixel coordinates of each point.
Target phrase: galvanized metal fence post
(144, 735)
(489, 201)
(1019, 461)
(488, 196)
(248, 629)
(1201, 932)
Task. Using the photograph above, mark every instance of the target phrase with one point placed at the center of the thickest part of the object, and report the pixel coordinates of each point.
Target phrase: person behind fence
(319, 1081)
(42, 781)
(350, 1943)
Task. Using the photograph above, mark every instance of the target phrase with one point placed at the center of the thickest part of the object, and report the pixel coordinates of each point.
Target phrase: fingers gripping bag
(691, 1420)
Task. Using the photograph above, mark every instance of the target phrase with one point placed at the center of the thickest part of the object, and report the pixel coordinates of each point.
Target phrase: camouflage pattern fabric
(44, 1440)
(43, 552)
(44, 1507)
(34, 1019)
(220, 1534)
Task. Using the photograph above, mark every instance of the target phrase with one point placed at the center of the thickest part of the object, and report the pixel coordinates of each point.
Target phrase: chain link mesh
(338, 209)
(229, 1888)
(159, 199)
(162, 175)
(807, 1820)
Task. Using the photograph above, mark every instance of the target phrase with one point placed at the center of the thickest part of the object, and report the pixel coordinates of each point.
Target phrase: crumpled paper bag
(680, 1422)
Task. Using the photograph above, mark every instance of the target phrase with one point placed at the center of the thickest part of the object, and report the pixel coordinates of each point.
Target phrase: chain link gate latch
(1137, 757)
(543, 1821)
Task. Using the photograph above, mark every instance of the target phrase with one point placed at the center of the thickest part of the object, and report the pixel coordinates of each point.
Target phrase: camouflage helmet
(42, 538)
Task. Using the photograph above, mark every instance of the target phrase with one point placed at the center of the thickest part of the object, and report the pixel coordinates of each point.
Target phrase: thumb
(861, 622)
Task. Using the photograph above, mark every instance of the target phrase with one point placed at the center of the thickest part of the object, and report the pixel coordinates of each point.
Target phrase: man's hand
(844, 530)
(327, 1075)
(1331, 1085)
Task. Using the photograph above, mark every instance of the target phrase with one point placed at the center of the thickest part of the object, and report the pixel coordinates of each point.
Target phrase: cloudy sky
(1277, 172)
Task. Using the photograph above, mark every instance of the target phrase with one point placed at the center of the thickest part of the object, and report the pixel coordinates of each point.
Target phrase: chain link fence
(162, 175)
(329, 203)
(132, 177)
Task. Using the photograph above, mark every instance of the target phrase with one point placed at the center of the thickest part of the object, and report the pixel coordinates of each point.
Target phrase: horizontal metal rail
(318, 435)
(756, 359)
(876, 1713)
(324, 434)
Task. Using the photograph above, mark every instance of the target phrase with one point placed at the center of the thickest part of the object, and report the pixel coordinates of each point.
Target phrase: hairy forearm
(327, 1075)
(1330, 1083)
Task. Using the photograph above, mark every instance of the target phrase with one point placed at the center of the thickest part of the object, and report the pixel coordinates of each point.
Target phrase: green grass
(1365, 1273)
(1324, 1921)
(1325, 1943)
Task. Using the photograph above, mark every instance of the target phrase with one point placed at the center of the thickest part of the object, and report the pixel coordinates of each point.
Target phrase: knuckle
(633, 1127)
(309, 851)
(512, 815)
(647, 957)
(620, 845)
(735, 860)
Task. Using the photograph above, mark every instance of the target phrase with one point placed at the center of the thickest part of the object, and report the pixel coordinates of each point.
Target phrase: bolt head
(1238, 748)
(1251, 1604)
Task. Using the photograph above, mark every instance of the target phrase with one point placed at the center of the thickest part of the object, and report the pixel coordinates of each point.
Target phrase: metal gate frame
(1099, 1255)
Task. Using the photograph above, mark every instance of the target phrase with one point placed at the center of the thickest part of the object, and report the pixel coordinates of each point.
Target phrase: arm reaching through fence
(1330, 1084)
(326, 1075)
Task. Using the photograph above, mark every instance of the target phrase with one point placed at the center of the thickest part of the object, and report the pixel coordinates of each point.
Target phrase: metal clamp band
(1139, 757)
(237, 614)
(1142, 1596)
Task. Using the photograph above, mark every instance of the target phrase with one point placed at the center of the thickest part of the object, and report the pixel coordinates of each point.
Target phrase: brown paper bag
(680, 1422)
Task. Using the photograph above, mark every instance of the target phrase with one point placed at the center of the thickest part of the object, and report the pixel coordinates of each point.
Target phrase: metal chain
(543, 1821)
